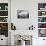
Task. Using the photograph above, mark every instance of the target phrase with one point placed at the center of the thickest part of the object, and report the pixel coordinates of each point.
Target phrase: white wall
(22, 25)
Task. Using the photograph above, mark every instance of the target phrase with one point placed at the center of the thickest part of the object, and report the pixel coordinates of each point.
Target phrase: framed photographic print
(42, 32)
(4, 29)
(22, 14)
